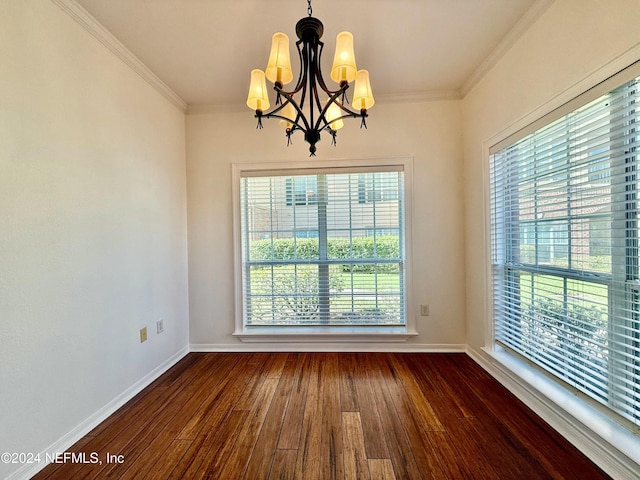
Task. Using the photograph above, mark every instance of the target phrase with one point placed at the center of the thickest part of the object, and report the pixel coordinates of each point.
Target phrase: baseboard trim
(328, 347)
(66, 441)
(563, 418)
(599, 449)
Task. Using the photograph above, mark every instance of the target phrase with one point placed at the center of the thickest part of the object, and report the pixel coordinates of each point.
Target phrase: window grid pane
(565, 249)
(328, 258)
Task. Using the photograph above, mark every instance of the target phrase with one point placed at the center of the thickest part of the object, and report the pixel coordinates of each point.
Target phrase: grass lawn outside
(291, 295)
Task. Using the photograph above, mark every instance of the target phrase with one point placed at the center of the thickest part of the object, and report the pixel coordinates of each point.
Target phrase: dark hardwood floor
(325, 416)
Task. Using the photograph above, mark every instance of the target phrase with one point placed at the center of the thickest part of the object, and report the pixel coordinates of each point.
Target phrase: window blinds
(566, 281)
(324, 247)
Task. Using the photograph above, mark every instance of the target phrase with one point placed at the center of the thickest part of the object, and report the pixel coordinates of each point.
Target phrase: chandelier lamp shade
(311, 107)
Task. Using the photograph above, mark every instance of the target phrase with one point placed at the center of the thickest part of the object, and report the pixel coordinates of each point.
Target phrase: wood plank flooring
(325, 416)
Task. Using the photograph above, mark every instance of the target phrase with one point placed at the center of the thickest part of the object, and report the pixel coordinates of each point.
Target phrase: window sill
(585, 421)
(325, 334)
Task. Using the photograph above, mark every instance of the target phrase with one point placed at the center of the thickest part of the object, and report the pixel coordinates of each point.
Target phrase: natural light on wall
(566, 275)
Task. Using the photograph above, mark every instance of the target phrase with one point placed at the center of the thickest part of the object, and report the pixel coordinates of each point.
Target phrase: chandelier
(311, 106)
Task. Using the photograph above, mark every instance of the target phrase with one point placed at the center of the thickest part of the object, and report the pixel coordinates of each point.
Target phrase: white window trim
(597, 83)
(611, 443)
(606, 441)
(317, 334)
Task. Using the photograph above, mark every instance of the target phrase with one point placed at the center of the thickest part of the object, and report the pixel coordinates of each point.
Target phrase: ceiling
(204, 50)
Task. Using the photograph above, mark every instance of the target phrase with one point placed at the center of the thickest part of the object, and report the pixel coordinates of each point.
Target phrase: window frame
(520, 130)
(382, 334)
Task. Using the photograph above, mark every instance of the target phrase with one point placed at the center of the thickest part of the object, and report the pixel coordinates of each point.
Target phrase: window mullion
(351, 273)
(293, 278)
(401, 237)
(569, 198)
(624, 266)
(246, 243)
(574, 308)
(323, 266)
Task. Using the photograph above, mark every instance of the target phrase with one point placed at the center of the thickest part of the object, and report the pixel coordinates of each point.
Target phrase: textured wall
(429, 131)
(573, 46)
(92, 227)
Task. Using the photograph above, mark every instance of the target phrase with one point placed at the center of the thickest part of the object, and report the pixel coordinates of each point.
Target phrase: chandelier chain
(309, 9)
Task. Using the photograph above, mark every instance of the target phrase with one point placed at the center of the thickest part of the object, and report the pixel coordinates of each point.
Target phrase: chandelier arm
(301, 88)
(322, 119)
(311, 66)
(333, 95)
(319, 76)
(303, 71)
(289, 94)
(276, 109)
(300, 113)
(274, 113)
(316, 49)
(314, 100)
(348, 112)
(295, 125)
(349, 115)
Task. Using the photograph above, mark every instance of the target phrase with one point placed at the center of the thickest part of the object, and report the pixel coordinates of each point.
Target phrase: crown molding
(527, 20)
(95, 28)
(205, 109)
(417, 97)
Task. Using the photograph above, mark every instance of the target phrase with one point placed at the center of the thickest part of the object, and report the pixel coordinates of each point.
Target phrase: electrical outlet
(160, 326)
(424, 310)
(143, 335)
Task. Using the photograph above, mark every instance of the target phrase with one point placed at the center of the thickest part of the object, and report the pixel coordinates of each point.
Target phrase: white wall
(429, 131)
(92, 227)
(574, 45)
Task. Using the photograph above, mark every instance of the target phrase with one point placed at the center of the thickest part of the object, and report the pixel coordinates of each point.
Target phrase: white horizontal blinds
(323, 249)
(565, 249)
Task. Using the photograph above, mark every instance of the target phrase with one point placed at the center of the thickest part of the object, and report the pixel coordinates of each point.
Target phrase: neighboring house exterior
(372, 200)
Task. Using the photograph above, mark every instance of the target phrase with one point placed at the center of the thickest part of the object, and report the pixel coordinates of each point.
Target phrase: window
(377, 187)
(566, 278)
(313, 255)
(301, 190)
